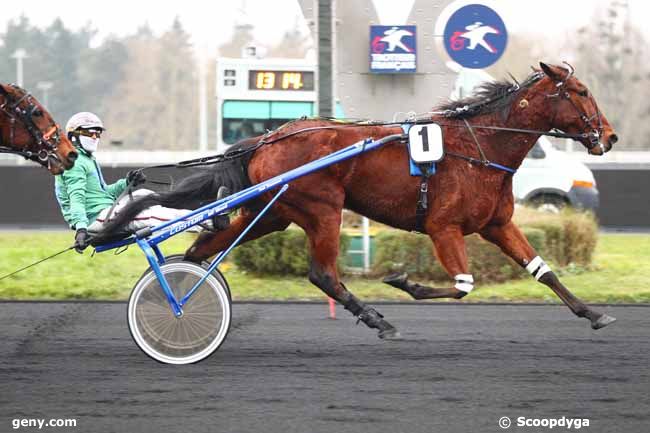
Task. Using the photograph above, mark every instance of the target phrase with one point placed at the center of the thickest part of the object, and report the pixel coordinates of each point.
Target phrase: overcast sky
(210, 23)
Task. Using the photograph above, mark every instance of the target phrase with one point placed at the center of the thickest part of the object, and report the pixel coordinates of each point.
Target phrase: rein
(592, 137)
(234, 154)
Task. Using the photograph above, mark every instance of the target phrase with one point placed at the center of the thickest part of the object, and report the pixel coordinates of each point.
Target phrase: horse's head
(27, 129)
(575, 110)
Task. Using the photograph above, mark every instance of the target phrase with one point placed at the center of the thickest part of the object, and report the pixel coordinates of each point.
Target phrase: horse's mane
(489, 97)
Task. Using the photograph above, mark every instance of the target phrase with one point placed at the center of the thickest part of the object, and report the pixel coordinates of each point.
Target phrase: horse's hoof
(396, 280)
(390, 334)
(603, 321)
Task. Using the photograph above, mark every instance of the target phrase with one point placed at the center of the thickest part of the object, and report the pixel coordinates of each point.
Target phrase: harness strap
(557, 134)
(483, 161)
(478, 146)
(423, 200)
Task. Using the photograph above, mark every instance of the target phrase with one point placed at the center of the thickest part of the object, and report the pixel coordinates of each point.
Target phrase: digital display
(281, 80)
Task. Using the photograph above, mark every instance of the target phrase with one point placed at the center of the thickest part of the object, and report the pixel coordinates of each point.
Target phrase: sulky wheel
(191, 337)
(173, 258)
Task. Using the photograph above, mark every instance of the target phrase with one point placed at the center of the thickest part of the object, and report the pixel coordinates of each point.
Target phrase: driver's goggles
(90, 132)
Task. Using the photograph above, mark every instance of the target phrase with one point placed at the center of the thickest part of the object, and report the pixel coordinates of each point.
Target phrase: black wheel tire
(549, 202)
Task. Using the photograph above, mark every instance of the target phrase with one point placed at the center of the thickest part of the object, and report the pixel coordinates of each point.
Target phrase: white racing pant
(153, 216)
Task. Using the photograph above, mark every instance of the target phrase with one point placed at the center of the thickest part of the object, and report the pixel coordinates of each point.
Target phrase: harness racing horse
(28, 130)
(468, 194)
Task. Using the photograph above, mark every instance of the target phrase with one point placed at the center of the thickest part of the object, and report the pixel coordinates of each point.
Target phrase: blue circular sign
(475, 36)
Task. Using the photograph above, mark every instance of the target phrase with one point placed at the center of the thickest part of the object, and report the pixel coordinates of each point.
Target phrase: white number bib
(425, 143)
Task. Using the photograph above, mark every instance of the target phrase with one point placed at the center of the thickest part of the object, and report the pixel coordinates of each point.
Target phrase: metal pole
(366, 244)
(325, 40)
(19, 55)
(44, 87)
(19, 71)
(203, 105)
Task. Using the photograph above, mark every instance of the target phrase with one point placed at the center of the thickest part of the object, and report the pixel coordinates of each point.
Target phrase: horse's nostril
(613, 139)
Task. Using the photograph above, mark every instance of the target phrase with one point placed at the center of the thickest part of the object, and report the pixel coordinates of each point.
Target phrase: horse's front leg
(509, 238)
(450, 249)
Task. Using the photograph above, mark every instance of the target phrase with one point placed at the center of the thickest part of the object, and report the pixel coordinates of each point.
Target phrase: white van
(547, 178)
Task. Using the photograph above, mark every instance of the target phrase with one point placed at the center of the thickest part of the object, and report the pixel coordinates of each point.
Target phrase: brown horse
(28, 130)
(466, 195)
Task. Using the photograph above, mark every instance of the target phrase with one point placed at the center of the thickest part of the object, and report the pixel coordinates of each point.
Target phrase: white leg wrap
(537, 268)
(464, 282)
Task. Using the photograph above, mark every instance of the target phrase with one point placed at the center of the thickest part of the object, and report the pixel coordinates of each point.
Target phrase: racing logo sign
(475, 36)
(392, 49)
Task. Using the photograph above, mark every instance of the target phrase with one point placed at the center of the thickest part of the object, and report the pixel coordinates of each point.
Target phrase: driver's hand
(135, 178)
(81, 240)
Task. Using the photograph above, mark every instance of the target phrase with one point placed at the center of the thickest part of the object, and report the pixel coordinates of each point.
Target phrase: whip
(36, 263)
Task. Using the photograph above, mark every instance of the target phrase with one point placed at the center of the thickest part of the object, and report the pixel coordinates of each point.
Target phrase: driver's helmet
(84, 120)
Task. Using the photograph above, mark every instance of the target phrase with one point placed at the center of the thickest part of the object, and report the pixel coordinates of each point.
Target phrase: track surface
(287, 368)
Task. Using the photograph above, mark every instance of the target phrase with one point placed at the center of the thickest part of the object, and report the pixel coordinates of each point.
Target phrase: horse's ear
(3, 91)
(555, 73)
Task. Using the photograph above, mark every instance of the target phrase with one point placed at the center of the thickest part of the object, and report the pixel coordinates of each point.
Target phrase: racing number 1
(425, 138)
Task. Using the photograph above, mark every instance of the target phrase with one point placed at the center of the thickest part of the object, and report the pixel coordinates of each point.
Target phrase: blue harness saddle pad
(414, 169)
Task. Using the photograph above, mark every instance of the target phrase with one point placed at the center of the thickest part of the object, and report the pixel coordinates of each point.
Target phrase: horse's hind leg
(320, 218)
(208, 243)
(509, 238)
(450, 248)
(324, 243)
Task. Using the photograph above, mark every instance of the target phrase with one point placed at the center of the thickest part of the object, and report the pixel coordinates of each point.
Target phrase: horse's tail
(194, 191)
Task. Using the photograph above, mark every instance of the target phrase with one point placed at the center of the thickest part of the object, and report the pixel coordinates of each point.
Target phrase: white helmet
(84, 120)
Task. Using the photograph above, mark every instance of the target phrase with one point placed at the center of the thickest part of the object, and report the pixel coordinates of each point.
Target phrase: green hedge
(281, 253)
(561, 239)
(571, 235)
(413, 253)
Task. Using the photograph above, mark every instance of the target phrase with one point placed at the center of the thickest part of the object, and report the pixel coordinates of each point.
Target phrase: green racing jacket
(82, 193)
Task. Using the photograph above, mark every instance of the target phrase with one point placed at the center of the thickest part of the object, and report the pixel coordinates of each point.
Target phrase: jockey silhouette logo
(393, 38)
(475, 36)
(393, 49)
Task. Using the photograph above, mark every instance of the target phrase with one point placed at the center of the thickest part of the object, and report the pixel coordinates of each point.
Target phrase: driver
(85, 198)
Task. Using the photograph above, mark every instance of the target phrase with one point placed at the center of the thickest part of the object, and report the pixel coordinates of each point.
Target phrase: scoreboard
(256, 95)
(281, 80)
(266, 79)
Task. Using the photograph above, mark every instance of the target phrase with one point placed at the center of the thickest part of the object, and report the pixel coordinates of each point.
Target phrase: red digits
(457, 43)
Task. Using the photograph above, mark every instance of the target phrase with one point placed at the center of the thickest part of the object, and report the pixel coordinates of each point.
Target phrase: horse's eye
(37, 112)
(583, 93)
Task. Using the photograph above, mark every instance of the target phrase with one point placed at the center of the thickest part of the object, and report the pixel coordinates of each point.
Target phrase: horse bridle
(47, 143)
(593, 136)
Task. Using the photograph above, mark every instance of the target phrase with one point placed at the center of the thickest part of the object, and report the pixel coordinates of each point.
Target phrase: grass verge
(620, 274)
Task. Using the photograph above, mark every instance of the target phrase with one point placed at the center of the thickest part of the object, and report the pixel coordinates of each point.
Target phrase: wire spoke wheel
(197, 333)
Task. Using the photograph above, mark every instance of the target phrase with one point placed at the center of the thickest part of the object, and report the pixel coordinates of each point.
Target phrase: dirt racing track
(287, 368)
